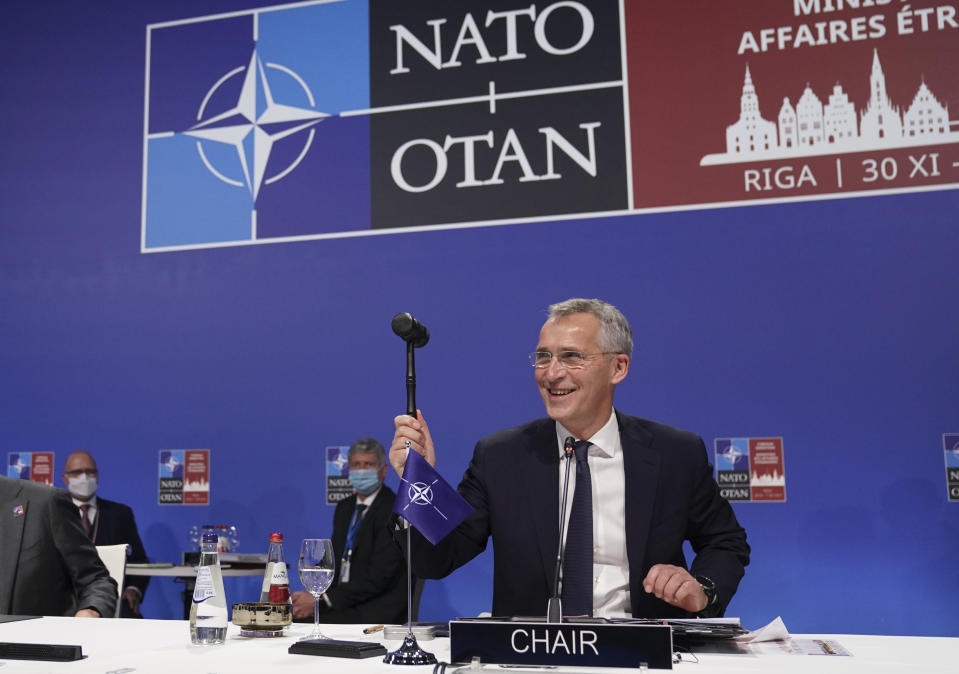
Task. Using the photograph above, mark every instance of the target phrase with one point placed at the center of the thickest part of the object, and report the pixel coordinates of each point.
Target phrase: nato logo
(17, 468)
(171, 463)
(950, 444)
(254, 126)
(732, 454)
(337, 461)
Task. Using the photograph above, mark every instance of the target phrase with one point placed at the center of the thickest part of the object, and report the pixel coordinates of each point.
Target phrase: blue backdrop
(831, 323)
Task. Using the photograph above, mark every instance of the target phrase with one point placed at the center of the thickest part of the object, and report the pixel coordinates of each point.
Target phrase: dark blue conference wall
(828, 322)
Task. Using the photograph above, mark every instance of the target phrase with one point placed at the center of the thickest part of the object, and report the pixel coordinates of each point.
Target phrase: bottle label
(203, 589)
(278, 574)
(279, 594)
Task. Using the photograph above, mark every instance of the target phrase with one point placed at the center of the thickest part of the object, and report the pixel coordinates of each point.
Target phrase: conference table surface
(163, 646)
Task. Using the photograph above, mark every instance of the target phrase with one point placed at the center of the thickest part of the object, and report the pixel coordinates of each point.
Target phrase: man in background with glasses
(647, 488)
(370, 581)
(106, 523)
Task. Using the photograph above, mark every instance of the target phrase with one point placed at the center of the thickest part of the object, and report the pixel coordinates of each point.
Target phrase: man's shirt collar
(605, 441)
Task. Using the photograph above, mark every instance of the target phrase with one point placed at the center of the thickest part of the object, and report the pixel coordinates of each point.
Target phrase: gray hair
(367, 446)
(615, 335)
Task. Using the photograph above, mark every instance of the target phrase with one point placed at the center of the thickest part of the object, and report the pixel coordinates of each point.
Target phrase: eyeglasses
(92, 472)
(571, 360)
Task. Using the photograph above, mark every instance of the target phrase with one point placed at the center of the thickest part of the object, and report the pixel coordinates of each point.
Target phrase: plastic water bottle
(276, 581)
(208, 611)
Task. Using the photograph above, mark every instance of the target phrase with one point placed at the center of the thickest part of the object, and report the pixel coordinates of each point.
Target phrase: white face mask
(82, 487)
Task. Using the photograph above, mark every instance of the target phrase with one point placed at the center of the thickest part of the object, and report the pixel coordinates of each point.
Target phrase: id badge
(345, 571)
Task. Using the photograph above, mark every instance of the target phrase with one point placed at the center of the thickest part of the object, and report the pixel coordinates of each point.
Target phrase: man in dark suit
(651, 488)
(106, 523)
(47, 565)
(370, 581)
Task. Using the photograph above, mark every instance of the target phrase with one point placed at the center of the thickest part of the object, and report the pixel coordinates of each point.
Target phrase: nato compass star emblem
(730, 454)
(254, 125)
(17, 468)
(421, 494)
(169, 462)
(336, 461)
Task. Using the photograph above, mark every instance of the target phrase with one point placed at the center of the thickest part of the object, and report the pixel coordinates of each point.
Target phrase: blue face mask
(364, 480)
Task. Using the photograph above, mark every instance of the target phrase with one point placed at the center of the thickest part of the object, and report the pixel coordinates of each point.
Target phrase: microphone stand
(554, 607)
(410, 652)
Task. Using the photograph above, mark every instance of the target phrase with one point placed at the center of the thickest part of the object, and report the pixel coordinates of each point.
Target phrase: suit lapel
(367, 524)
(14, 509)
(641, 465)
(103, 524)
(539, 479)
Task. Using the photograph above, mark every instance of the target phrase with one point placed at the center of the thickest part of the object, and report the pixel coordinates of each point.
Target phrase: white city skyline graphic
(196, 485)
(773, 479)
(811, 128)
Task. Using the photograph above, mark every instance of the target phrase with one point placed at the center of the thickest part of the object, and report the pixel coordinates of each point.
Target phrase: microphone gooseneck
(554, 608)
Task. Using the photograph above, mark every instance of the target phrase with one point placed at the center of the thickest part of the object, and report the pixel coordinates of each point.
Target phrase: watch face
(709, 588)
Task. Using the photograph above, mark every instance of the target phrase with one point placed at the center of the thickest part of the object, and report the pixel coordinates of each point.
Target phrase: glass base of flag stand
(409, 653)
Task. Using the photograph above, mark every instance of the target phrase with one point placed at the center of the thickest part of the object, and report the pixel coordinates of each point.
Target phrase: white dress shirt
(92, 512)
(610, 564)
(369, 498)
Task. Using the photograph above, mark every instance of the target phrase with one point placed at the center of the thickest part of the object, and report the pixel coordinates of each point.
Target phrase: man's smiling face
(580, 399)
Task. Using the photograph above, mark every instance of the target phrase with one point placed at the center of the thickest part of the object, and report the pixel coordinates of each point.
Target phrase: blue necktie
(578, 561)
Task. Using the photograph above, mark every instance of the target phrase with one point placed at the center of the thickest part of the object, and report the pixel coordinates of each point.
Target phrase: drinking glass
(317, 567)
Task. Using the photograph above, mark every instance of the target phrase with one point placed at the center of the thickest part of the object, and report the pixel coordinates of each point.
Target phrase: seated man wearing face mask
(106, 523)
(370, 581)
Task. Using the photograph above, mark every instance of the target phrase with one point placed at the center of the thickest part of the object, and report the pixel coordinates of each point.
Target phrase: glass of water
(316, 566)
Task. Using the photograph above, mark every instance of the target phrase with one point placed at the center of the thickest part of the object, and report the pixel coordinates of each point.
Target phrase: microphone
(554, 607)
(410, 329)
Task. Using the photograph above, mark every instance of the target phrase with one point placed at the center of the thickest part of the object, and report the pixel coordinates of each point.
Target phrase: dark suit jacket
(48, 566)
(115, 524)
(376, 591)
(671, 496)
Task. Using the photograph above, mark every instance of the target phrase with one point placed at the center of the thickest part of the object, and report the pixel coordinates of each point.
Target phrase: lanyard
(351, 535)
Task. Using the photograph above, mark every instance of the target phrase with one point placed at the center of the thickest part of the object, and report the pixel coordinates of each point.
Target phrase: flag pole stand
(410, 652)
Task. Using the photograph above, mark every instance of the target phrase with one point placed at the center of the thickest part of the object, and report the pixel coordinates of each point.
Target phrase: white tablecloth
(163, 647)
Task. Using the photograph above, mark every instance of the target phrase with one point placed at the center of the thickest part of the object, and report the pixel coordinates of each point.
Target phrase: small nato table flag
(427, 501)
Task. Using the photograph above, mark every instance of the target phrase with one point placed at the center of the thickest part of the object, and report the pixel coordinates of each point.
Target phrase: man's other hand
(676, 586)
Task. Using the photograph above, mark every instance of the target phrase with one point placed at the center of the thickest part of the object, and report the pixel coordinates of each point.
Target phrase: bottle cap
(276, 537)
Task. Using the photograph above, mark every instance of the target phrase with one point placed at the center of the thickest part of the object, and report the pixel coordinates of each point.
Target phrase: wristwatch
(709, 589)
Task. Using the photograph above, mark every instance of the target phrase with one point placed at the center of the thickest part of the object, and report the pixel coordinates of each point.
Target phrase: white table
(189, 571)
(163, 646)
